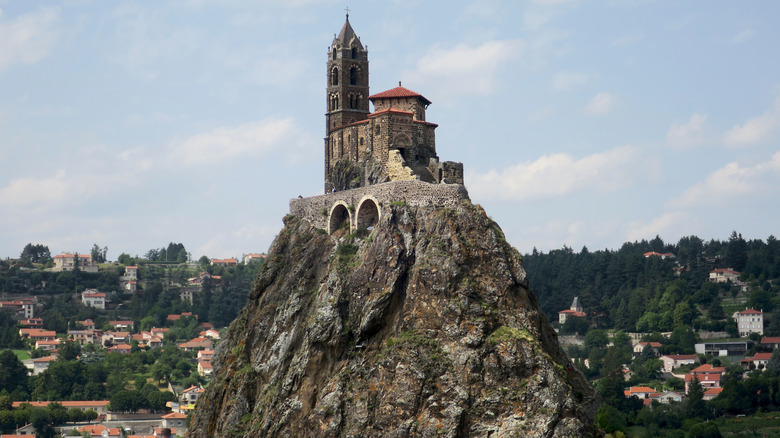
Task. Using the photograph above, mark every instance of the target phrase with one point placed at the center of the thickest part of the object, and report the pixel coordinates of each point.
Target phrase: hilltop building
(396, 137)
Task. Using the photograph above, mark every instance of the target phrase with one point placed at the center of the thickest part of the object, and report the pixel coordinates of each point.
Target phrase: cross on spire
(347, 9)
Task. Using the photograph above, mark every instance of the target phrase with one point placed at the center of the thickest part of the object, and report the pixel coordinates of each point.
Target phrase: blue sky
(584, 123)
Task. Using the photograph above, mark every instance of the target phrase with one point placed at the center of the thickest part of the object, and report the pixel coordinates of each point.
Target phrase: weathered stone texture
(424, 327)
(315, 209)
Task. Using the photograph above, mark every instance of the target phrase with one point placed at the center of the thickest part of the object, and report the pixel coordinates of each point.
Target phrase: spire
(347, 36)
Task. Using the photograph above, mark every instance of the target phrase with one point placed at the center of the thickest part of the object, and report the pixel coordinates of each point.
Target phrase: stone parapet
(317, 209)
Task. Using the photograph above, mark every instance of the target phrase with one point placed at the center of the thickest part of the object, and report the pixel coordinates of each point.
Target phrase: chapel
(394, 142)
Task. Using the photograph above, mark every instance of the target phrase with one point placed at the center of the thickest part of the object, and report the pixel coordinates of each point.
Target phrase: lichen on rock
(423, 326)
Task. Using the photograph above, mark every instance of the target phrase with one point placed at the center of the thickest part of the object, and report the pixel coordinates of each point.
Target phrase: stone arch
(368, 212)
(339, 213)
(334, 76)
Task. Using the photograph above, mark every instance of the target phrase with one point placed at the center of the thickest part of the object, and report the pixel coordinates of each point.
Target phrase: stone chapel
(392, 143)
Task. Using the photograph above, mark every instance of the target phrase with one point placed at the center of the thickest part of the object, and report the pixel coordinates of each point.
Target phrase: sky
(579, 122)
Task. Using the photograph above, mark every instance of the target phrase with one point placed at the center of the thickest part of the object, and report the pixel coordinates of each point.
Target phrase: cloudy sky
(585, 123)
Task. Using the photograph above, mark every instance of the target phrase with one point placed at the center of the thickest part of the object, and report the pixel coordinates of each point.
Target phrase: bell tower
(347, 79)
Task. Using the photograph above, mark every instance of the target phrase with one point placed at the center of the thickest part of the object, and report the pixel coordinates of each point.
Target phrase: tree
(99, 254)
(695, 406)
(35, 254)
(69, 350)
(13, 374)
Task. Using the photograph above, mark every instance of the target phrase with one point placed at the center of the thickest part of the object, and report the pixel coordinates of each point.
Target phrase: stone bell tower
(347, 91)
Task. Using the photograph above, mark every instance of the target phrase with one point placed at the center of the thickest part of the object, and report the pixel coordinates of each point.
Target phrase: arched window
(353, 76)
(334, 76)
(333, 51)
(354, 52)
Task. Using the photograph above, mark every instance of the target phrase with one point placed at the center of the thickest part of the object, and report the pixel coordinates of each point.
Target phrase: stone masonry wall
(316, 209)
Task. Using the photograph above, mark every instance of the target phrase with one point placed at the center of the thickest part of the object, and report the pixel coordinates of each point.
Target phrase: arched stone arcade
(368, 212)
(339, 213)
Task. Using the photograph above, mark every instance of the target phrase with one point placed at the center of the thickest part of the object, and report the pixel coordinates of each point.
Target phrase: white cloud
(689, 134)
(755, 130)
(742, 36)
(728, 185)
(559, 175)
(466, 70)
(601, 103)
(61, 188)
(28, 38)
(568, 81)
(668, 224)
(257, 138)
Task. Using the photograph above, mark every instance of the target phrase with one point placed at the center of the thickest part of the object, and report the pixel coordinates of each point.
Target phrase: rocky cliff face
(423, 326)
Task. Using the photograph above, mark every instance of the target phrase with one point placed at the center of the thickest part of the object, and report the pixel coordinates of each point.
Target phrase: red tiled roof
(751, 312)
(398, 92)
(708, 368)
(770, 340)
(762, 356)
(391, 111)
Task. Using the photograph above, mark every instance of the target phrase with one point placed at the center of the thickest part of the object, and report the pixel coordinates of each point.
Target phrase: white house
(93, 298)
(749, 321)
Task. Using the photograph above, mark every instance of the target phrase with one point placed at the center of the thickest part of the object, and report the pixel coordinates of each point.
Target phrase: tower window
(353, 74)
(354, 52)
(334, 76)
(334, 53)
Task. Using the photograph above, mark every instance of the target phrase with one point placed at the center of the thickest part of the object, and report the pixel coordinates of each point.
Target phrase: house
(711, 393)
(47, 345)
(639, 347)
(197, 344)
(121, 348)
(641, 392)
(131, 286)
(757, 362)
(174, 419)
(724, 275)
(115, 337)
(123, 325)
(205, 368)
(88, 324)
(251, 258)
(85, 336)
(41, 364)
(575, 310)
(210, 333)
(93, 298)
(672, 361)
(205, 354)
(770, 342)
(158, 331)
(723, 348)
(668, 397)
(223, 262)
(37, 334)
(165, 432)
(22, 308)
(749, 321)
(131, 273)
(32, 323)
(174, 318)
(98, 430)
(705, 380)
(67, 262)
(190, 395)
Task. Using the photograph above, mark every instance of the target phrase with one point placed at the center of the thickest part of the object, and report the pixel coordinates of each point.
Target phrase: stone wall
(316, 209)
